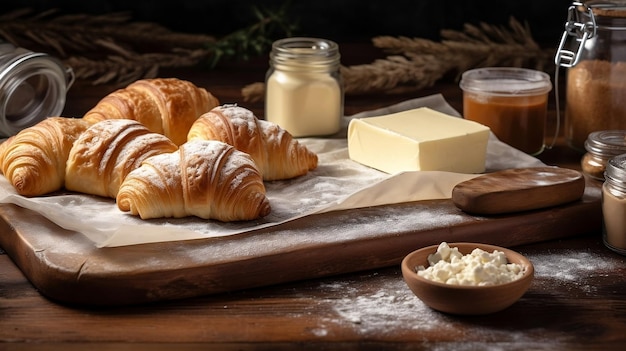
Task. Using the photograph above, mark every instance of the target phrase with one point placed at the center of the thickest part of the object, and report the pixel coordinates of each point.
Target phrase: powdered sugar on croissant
(275, 151)
(207, 179)
(107, 151)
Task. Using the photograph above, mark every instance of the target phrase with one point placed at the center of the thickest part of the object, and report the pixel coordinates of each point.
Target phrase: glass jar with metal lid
(33, 86)
(593, 48)
(602, 146)
(614, 205)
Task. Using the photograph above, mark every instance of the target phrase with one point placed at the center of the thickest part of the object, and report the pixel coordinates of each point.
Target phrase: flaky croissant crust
(168, 106)
(34, 160)
(277, 154)
(207, 179)
(107, 151)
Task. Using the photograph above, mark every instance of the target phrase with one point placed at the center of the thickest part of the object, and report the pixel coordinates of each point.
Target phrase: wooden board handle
(518, 189)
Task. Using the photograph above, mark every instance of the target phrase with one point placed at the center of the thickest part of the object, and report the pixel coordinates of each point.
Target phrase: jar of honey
(511, 101)
(593, 48)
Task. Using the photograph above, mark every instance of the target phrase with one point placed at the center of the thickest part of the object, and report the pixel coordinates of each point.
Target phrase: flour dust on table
(388, 307)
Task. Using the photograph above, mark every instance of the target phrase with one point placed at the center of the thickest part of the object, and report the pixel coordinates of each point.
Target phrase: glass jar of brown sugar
(602, 146)
(593, 48)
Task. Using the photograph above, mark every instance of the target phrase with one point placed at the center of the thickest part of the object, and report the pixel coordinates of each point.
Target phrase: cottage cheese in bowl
(480, 268)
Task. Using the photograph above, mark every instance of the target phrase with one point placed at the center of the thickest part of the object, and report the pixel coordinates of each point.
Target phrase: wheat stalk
(104, 48)
(417, 63)
(111, 48)
(79, 33)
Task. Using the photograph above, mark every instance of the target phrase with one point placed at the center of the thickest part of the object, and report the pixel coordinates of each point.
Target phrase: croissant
(34, 159)
(277, 154)
(107, 151)
(166, 106)
(4, 146)
(207, 179)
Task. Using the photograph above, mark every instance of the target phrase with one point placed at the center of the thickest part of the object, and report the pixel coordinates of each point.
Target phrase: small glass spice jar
(33, 86)
(614, 205)
(601, 146)
(593, 48)
(304, 90)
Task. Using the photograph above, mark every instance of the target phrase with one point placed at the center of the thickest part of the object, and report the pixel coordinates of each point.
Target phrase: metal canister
(33, 86)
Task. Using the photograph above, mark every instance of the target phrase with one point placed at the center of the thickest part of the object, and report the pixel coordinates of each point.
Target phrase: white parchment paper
(338, 183)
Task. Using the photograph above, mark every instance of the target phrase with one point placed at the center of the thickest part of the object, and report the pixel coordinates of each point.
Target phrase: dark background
(340, 20)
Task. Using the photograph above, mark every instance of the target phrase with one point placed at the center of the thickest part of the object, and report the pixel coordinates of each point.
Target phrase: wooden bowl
(466, 300)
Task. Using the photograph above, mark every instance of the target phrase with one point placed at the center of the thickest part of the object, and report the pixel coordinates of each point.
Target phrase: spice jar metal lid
(616, 170)
(607, 143)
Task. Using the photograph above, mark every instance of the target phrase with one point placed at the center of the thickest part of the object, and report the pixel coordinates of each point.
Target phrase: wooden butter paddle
(519, 189)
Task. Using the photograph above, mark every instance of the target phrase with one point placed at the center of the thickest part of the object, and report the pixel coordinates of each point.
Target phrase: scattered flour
(572, 265)
(382, 309)
(390, 308)
(385, 306)
(574, 268)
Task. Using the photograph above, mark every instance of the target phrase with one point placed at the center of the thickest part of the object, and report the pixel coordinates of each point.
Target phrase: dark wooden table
(577, 301)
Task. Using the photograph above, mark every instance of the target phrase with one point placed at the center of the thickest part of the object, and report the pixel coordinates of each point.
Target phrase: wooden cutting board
(66, 266)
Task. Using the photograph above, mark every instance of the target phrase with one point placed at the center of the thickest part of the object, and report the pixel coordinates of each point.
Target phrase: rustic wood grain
(68, 268)
(321, 313)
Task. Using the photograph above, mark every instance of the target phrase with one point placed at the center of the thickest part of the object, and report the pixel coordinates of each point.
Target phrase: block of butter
(421, 139)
